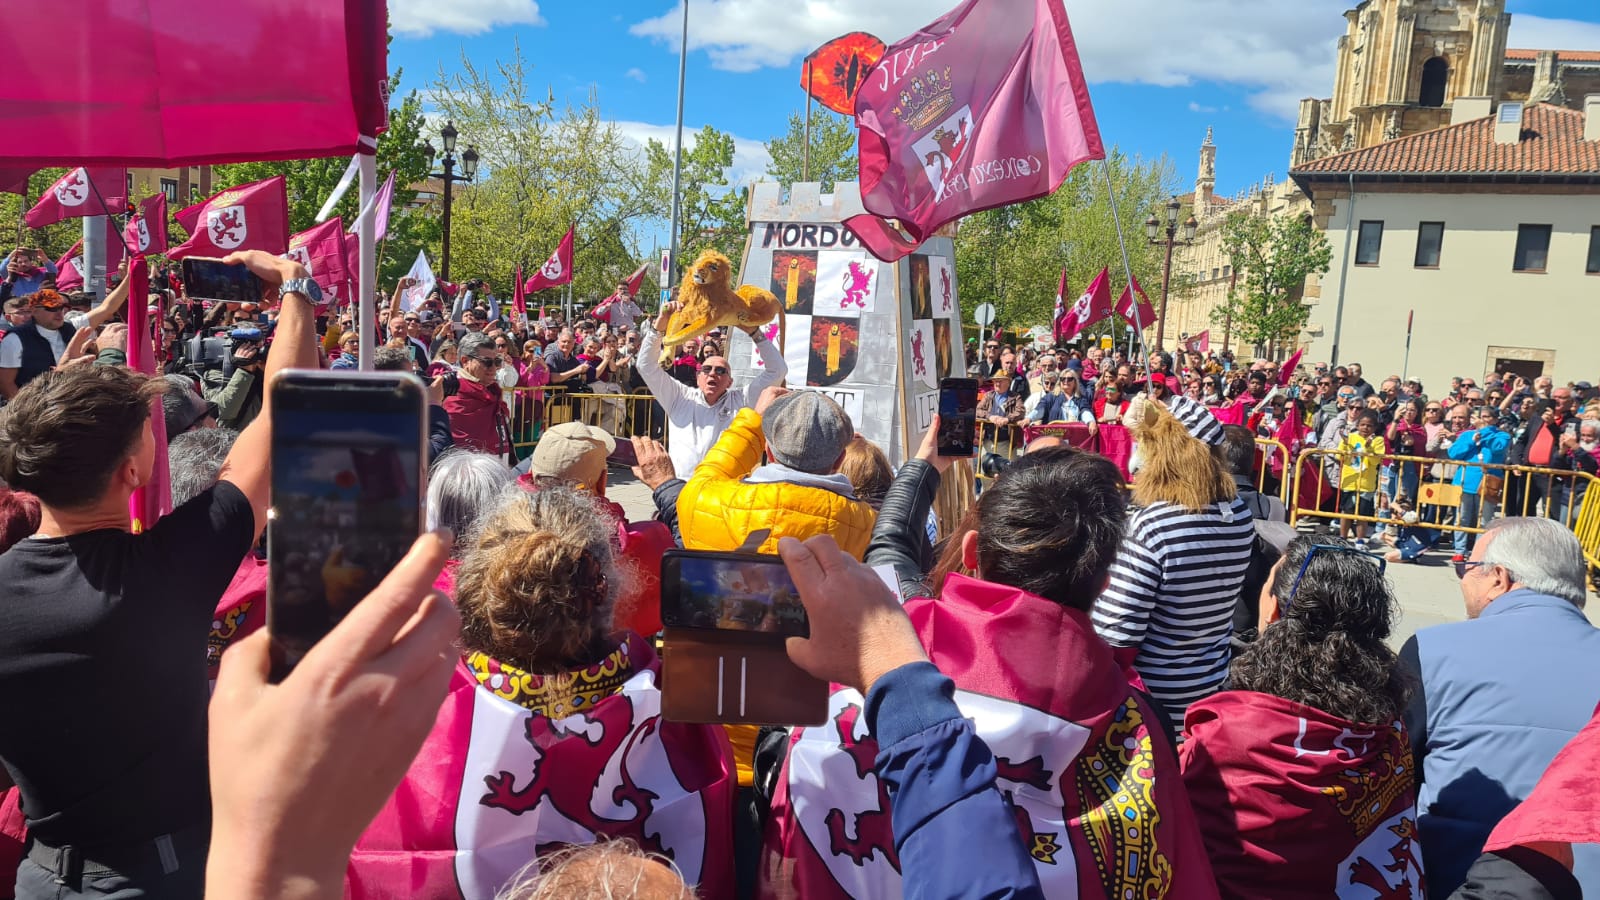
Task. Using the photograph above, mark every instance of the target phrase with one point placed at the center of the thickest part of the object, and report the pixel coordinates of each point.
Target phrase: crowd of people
(1075, 687)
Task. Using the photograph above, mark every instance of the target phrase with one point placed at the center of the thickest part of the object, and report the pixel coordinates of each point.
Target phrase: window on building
(1533, 248)
(1368, 243)
(1430, 239)
(1594, 251)
(1227, 271)
(1435, 77)
(1214, 273)
(169, 186)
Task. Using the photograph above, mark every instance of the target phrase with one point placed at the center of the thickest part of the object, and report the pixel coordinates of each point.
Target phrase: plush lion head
(712, 268)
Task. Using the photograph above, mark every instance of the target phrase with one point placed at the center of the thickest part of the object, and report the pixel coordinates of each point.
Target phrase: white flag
(421, 275)
(345, 181)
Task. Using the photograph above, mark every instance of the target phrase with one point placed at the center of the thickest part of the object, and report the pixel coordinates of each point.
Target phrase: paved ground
(1428, 591)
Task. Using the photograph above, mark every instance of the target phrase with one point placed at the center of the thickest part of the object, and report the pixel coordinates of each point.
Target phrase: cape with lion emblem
(1095, 789)
(519, 765)
(1297, 803)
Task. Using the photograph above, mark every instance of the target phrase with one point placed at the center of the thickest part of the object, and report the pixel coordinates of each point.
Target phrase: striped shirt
(1196, 418)
(1172, 593)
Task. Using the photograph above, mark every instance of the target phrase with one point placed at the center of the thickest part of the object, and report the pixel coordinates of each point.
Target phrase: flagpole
(805, 164)
(1127, 266)
(1405, 368)
(677, 153)
(367, 279)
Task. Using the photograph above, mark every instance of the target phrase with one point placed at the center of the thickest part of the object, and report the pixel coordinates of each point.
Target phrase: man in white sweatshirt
(697, 416)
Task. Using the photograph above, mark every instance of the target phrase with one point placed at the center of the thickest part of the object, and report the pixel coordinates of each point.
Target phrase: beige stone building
(183, 186)
(1403, 67)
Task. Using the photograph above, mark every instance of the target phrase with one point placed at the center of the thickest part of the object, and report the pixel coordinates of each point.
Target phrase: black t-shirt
(103, 679)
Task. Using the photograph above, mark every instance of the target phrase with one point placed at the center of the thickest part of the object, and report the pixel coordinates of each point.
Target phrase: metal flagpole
(1127, 267)
(677, 153)
(805, 157)
(367, 276)
(94, 255)
(1405, 368)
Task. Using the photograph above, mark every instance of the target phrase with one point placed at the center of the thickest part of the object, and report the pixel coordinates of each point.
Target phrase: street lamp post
(1153, 228)
(469, 171)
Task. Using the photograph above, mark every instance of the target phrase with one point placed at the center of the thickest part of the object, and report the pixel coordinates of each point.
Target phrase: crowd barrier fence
(1567, 496)
(535, 409)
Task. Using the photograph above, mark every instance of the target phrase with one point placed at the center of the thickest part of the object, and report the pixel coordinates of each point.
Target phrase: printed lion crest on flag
(302, 256)
(73, 190)
(227, 226)
(142, 230)
(552, 268)
(942, 149)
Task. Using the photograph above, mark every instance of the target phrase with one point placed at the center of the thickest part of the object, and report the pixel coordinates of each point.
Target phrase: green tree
(1012, 256)
(310, 181)
(542, 169)
(833, 151)
(1274, 256)
(712, 215)
(54, 240)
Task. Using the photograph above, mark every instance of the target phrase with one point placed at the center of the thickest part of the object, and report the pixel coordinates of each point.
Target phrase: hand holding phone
(348, 482)
(957, 421)
(859, 631)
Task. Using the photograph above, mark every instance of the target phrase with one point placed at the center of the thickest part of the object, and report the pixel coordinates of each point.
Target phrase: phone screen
(213, 279)
(347, 489)
(731, 592)
(958, 416)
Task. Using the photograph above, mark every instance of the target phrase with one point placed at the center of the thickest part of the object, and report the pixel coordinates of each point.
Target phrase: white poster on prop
(796, 348)
(849, 400)
(847, 284)
(922, 353)
(422, 282)
(942, 281)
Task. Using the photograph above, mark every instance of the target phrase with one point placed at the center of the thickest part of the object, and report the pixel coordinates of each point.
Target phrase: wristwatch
(304, 287)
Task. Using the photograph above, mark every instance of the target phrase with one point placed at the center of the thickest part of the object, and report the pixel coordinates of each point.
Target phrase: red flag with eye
(833, 73)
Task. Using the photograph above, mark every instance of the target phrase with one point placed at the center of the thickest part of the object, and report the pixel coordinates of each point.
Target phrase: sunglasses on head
(713, 370)
(1331, 548)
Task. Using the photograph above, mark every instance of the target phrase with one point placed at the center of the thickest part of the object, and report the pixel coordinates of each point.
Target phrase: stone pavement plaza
(1428, 591)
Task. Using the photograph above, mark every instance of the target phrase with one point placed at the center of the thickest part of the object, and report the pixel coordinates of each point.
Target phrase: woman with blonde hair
(868, 470)
(1168, 609)
(552, 732)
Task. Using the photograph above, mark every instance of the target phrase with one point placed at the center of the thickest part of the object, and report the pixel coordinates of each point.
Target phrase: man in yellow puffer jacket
(797, 494)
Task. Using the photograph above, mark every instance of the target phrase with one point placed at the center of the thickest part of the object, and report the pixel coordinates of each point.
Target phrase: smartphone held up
(958, 417)
(212, 279)
(348, 482)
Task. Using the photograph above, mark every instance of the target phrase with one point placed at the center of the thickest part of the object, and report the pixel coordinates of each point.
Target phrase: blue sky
(1160, 71)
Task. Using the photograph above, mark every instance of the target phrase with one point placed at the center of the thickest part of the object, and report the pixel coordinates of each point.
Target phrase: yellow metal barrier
(535, 409)
(1268, 447)
(1519, 494)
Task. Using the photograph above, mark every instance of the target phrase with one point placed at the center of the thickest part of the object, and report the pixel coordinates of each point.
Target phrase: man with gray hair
(1501, 693)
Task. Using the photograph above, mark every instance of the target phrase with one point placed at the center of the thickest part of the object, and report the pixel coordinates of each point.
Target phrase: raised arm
(114, 300)
(775, 367)
(898, 537)
(671, 392)
(294, 346)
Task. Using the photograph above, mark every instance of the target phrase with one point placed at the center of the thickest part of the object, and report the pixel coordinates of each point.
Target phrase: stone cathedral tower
(1401, 63)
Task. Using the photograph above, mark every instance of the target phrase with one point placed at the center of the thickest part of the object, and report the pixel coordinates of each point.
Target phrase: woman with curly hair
(558, 717)
(1300, 772)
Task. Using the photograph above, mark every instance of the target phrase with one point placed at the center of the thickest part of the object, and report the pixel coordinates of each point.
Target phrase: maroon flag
(1095, 790)
(518, 765)
(1337, 817)
(984, 107)
(1091, 307)
(148, 502)
(1146, 314)
(1287, 370)
(146, 234)
(321, 249)
(1200, 343)
(519, 297)
(557, 270)
(14, 179)
(1058, 317)
(252, 216)
(79, 193)
(69, 269)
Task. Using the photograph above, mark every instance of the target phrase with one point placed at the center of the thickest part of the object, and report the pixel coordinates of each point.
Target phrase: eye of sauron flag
(835, 72)
(986, 106)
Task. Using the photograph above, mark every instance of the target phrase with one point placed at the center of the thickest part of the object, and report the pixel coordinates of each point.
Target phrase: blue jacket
(1487, 445)
(1500, 695)
(946, 811)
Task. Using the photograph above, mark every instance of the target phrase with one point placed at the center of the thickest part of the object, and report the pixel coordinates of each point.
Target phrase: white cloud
(421, 18)
(1195, 107)
(1283, 51)
(636, 74)
(1538, 33)
(750, 158)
